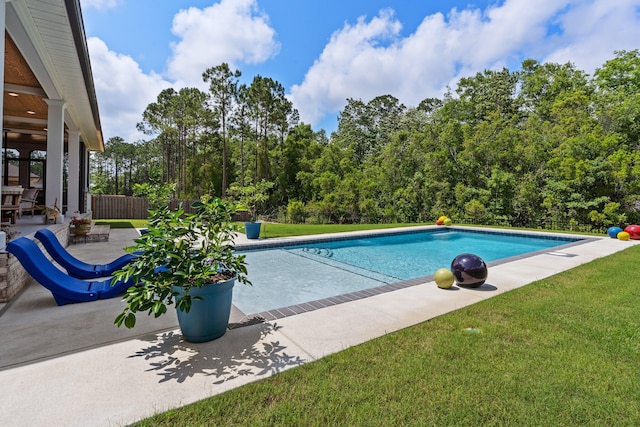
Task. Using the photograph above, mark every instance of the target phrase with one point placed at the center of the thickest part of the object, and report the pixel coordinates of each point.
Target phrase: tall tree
(488, 93)
(618, 95)
(299, 151)
(542, 84)
(242, 130)
(223, 92)
(116, 152)
(158, 120)
(365, 128)
(270, 111)
(355, 130)
(177, 119)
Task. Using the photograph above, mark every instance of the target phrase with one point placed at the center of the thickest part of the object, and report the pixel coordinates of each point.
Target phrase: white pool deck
(69, 366)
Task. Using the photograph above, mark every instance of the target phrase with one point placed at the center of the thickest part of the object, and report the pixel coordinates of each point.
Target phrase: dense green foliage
(543, 143)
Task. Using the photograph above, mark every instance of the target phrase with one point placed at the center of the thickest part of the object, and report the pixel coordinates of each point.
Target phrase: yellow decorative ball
(442, 218)
(623, 235)
(444, 278)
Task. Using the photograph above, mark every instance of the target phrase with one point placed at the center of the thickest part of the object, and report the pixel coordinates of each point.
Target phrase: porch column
(86, 193)
(3, 236)
(73, 179)
(3, 14)
(55, 152)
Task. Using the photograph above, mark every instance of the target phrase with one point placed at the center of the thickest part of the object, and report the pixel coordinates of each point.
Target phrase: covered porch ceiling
(46, 57)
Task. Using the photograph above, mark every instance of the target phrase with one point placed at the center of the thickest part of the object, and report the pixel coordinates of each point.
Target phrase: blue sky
(325, 51)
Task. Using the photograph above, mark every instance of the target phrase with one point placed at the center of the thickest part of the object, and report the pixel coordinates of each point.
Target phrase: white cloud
(354, 64)
(232, 31)
(123, 91)
(369, 57)
(592, 30)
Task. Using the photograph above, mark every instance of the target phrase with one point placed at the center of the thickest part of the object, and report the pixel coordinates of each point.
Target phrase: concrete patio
(70, 366)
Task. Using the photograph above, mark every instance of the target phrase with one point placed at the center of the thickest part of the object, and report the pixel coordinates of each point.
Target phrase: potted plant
(250, 197)
(187, 260)
(81, 226)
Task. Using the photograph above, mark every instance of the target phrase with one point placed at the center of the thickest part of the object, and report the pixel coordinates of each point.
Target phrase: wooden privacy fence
(118, 207)
(125, 207)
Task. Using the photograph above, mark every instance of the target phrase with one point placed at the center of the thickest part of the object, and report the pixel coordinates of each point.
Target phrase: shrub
(296, 212)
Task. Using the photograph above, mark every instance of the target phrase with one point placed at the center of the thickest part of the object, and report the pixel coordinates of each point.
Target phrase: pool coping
(292, 310)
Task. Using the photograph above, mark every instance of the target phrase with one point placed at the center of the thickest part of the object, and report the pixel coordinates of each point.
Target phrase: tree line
(547, 142)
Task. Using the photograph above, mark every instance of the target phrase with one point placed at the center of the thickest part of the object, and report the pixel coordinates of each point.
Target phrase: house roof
(46, 57)
(14, 172)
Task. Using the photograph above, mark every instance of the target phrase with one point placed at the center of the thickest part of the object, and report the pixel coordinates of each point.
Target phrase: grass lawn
(560, 351)
(123, 223)
(270, 229)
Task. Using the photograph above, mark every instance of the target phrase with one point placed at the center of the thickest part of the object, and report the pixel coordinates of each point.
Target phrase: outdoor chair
(75, 267)
(65, 289)
(28, 202)
(11, 196)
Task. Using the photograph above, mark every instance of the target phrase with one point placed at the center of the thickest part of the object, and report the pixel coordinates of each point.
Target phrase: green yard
(560, 351)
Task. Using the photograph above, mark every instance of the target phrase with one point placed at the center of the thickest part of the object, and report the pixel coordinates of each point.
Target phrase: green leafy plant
(158, 195)
(610, 215)
(183, 250)
(251, 196)
(296, 211)
(79, 222)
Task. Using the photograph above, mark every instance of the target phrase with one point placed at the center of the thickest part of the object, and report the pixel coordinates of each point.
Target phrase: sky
(326, 51)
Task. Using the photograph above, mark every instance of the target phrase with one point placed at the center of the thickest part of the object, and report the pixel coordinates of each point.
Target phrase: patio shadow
(243, 352)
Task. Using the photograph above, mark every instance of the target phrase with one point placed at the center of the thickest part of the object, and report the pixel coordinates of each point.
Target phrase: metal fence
(545, 224)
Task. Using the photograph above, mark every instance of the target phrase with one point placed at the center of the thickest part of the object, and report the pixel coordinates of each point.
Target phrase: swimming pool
(307, 274)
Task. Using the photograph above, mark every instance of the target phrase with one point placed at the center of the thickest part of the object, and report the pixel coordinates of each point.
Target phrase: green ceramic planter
(208, 318)
(252, 229)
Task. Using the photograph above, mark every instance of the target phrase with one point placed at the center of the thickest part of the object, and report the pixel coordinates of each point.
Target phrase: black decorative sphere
(469, 270)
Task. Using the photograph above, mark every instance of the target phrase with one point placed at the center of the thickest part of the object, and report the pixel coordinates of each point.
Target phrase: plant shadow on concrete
(249, 352)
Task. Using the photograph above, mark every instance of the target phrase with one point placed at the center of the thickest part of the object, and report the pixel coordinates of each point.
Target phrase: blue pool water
(290, 275)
